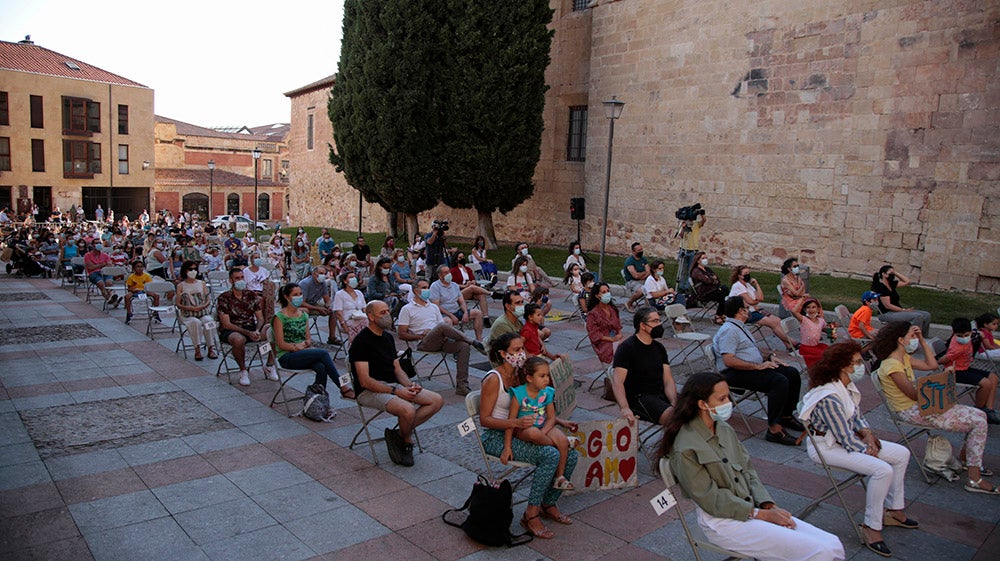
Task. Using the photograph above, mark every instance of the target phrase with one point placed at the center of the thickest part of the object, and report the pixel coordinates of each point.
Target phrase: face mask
(401, 259)
(192, 274)
(858, 373)
(963, 340)
(425, 294)
(240, 285)
(606, 297)
(576, 251)
(746, 278)
(659, 272)
(524, 252)
(639, 255)
(516, 360)
(656, 332)
(232, 235)
(302, 244)
(911, 346)
(385, 322)
(462, 261)
(301, 231)
(385, 271)
(98, 247)
(519, 311)
(447, 277)
(523, 268)
(296, 301)
(352, 282)
(352, 263)
(704, 262)
(722, 412)
(326, 237)
(795, 270)
(258, 261)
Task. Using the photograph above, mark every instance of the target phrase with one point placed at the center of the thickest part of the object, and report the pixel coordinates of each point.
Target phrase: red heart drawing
(626, 468)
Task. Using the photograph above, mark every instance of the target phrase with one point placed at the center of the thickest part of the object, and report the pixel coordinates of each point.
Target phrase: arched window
(195, 203)
(263, 207)
(233, 203)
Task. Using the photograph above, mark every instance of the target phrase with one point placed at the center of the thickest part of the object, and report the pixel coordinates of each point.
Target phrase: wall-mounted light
(145, 164)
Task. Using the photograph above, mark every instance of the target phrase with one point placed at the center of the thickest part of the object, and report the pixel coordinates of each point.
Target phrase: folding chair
(111, 284)
(736, 394)
(791, 325)
(81, 277)
(692, 338)
(698, 543)
(836, 486)
(254, 353)
(285, 376)
(472, 408)
(366, 420)
(165, 310)
(442, 358)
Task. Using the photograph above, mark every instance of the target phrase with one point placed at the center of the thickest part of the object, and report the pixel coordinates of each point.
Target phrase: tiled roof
(25, 57)
(187, 129)
(179, 177)
(276, 131)
(324, 83)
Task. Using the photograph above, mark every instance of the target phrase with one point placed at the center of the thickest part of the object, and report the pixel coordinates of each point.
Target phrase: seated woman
(843, 437)
(301, 259)
(402, 273)
(382, 286)
(575, 257)
(292, 340)
(893, 345)
(507, 351)
(192, 300)
(276, 253)
(707, 287)
(885, 282)
(793, 289)
(604, 326)
(520, 279)
(658, 294)
(811, 328)
(746, 287)
(712, 467)
(348, 306)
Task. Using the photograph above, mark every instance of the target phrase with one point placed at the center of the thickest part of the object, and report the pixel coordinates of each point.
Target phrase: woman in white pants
(713, 468)
(843, 437)
(192, 300)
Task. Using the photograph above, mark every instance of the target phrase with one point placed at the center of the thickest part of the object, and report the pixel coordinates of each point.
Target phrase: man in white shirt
(447, 296)
(422, 321)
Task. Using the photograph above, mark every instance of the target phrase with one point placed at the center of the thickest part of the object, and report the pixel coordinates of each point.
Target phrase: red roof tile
(179, 177)
(324, 83)
(187, 129)
(25, 57)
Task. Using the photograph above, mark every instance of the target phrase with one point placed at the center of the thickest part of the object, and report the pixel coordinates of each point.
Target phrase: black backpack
(490, 515)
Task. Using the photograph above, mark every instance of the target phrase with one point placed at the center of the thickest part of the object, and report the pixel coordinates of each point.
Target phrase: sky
(210, 63)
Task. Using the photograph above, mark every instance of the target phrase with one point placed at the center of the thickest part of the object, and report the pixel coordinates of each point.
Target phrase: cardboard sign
(607, 455)
(561, 374)
(936, 393)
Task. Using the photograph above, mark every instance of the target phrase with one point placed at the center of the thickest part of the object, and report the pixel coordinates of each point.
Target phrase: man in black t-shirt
(380, 383)
(642, 382)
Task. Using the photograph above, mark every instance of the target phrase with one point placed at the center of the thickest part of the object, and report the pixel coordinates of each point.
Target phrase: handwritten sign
(936, 393)
(561, 373)
(607, 455)
(466, 426)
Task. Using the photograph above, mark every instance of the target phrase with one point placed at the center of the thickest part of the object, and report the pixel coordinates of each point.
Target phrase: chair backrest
(710, 355)
(159, 287)
(790, 324)
(472, 403)
(843, 314)
(666, 474)
(672, 312)
(77, 261)
(346, 246)
(113, 271)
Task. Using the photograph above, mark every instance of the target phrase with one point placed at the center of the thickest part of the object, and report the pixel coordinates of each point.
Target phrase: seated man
(739, 360)
(380, 383)
(422, 321)
(642, 382)
(94, 261)
(447, 296)
(636, 272)
(135, 284)
(231, 244)
(316, 300)
(463, 276)
(510, 321)
(325, 245)
(534, 270)
(241, 319)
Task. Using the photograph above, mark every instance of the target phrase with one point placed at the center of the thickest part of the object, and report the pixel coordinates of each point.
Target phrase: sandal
(889, 520)
(983, 470)
(559, 517)
(197, 355)
(543, 532)
(974, 487)
(878, 547)
(347, 393)
(212, 354)
(562, 484)
(573, 441)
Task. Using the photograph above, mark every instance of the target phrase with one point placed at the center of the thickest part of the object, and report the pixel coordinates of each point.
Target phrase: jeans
(317, 360)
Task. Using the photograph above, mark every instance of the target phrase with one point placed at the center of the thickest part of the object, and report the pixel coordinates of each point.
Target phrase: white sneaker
(244, 378)
(272, 373)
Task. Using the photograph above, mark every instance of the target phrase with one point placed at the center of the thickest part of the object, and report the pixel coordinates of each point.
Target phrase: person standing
(690, 234)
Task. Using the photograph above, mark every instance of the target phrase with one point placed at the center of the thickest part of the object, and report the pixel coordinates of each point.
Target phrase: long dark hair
(501, 343)
(887, 339)
(834, 360)
(594, 299)
(877, 277)
(285, 293)
(698, 387)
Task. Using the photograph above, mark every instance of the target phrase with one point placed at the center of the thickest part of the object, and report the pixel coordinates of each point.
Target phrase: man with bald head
(380, 383)
(447, 296)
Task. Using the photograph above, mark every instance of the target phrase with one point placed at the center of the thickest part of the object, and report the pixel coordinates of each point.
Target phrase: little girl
(531, 333)
(535, 398)
(573, 280)
(812, 325)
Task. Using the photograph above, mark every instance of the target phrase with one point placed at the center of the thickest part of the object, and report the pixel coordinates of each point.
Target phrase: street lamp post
(612, 110)
(211, 187)
(256, 205)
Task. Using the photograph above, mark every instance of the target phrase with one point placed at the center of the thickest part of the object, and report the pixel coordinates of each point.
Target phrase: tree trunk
(412, 227)
(393, 218)
(485, 229)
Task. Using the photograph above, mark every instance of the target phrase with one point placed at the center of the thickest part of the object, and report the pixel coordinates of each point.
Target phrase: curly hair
(835, 359)
(735, 276)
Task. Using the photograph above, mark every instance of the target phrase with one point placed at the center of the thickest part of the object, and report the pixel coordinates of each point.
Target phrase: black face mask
(462, 261)
(892, 277)
(746, 278)
(638, 255)
(656, 332)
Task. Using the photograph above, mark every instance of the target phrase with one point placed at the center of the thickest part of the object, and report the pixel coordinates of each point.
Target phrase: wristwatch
(753, 514)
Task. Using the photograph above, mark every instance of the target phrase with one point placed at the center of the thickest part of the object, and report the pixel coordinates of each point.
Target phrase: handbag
(939, 460)
(490, 515)
(316, 404)
(406, 363)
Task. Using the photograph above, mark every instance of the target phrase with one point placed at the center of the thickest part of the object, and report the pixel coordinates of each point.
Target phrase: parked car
(242, 223)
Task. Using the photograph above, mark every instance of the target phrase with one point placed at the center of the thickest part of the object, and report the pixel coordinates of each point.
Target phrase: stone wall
(849, 133)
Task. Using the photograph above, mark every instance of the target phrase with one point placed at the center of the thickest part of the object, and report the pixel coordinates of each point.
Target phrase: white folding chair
(79, 279)
(836, 486)
(698, 543)
(472, 408)
(791, 325)
(693, 339)
(285, 376)
(429, 356)
(112, 284)
(166, 312)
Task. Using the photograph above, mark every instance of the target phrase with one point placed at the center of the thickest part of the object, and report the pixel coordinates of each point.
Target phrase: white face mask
(963, 340)
(912, 345)
(576, 251)
(704, 262)
(523, 268)
(400, 258)
(722, 412)
(606, 297)
(858, 373)
(795, 270)
(192, 274)
(524, 252)
(447, 277)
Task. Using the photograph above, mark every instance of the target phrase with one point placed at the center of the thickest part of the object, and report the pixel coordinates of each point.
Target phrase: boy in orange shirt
(861, 321)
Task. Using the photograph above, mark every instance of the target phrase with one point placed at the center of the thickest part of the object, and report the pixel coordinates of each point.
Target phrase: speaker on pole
(577, 208)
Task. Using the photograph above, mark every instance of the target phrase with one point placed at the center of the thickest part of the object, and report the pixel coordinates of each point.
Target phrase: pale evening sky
(210, 63)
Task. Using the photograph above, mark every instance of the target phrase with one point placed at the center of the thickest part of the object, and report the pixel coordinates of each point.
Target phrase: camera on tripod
(689, 212)
(440, 225)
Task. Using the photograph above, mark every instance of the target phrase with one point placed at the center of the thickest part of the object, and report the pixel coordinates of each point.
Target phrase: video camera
(689, 212)
(440, 225)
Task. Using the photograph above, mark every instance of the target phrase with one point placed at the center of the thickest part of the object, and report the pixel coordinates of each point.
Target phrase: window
(268, 169)
(123, 159)
(5, 200)
(81, 159)
(263, 207)
(42, 196)
(309, 132)
(283, 172)
(233, 204)
(576, 147)
(4, 109)
(81, 116)
(123, 119)
(195, 203)
(37, 154)
(580, 5)
(4, 153)
(36, 112)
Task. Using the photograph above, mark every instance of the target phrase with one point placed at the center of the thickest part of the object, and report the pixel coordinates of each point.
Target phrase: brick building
(72, 134)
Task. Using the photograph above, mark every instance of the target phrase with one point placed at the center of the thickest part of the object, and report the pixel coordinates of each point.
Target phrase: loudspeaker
(577, 208)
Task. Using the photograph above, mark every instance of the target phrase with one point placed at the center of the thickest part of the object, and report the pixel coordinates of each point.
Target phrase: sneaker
(462, 389)
(128, 318)
(244, 378)
(394, 444)
(407, 459)
(118, 301)
(272, 373)
(156, 317)
(478, 345)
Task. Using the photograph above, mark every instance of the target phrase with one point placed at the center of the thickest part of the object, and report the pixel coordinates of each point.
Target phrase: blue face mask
(425, 294)
(296, 301)
(963, 340)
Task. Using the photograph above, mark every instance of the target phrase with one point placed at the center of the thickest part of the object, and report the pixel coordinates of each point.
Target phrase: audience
(747, 288)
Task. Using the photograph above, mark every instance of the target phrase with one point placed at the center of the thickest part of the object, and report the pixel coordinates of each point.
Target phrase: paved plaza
(114, 447)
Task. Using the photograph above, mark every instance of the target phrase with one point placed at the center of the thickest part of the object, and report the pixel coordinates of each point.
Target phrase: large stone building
(184, 180)
(72, 134)
(851, 134)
